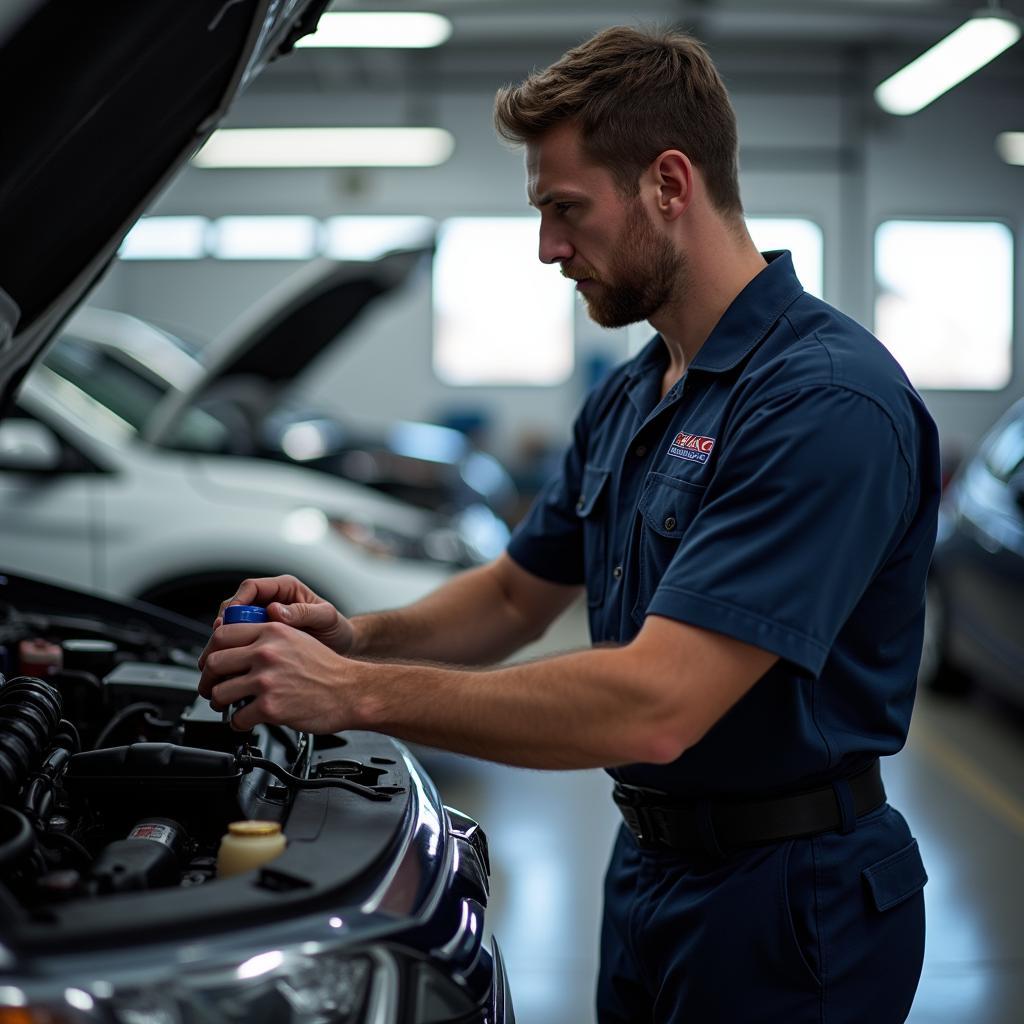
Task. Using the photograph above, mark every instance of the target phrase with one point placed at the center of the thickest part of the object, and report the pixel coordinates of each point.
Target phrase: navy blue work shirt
(783, 492)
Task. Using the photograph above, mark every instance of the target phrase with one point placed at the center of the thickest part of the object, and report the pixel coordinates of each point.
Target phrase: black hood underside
(103, 103)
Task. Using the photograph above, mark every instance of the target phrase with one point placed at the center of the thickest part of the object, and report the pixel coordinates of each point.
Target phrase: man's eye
(563, 208)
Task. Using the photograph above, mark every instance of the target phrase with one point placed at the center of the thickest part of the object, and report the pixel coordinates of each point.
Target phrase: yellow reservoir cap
(254, 828)
(247, 845)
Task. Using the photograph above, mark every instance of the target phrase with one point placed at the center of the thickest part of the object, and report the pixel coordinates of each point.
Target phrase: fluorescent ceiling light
(1010, 146)
(326, 147)
(165, 238)
(391, 30)
(948, 62)
(265, 238)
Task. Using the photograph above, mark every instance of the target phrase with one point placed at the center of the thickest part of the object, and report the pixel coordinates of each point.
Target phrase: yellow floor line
(986, 790)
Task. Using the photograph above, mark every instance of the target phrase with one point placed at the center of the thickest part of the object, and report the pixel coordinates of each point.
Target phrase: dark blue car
(974, 629)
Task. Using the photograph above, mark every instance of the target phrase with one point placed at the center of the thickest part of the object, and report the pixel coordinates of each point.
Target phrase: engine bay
(118, 782)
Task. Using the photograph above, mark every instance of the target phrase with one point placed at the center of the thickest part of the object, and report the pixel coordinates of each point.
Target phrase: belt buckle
(637, 819)
(634, 820)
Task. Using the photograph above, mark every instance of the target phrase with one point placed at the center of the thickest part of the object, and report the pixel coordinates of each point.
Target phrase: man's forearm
(582, 710)
(647, 701)
(471, 620)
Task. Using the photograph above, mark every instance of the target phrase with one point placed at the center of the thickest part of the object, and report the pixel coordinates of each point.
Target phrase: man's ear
(673, 176)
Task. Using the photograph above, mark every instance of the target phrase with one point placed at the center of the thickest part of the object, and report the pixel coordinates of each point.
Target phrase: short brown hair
(633, 94)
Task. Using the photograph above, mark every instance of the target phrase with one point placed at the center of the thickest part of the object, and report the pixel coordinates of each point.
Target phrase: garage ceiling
(496, 41)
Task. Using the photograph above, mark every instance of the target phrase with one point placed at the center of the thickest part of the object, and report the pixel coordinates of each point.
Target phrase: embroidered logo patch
(692, 447)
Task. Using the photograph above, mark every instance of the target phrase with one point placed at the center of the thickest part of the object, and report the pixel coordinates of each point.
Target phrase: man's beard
(645, 274)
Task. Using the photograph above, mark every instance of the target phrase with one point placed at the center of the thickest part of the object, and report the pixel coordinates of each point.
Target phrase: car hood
(112, 100)
(276, 339)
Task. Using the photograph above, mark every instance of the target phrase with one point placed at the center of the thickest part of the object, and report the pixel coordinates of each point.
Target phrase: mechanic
(750, 504)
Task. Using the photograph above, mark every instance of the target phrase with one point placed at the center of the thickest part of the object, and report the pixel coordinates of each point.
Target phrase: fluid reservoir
(247, 845)
(39, 658)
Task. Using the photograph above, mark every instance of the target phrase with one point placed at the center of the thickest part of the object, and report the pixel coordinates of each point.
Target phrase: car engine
(118, 785)
(116, 777)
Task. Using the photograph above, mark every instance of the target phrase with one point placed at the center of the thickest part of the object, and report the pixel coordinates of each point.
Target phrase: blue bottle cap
(244, 613)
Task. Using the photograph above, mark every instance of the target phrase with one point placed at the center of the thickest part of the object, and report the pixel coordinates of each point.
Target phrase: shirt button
(670, 523)
(640, 451)
(580, 504)
(617, 572)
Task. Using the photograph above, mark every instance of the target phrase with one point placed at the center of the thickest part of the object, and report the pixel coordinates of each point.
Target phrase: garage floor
(960, 784)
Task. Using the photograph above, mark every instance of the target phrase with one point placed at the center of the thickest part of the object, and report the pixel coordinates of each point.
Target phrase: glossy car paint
(131, 518)
(976, 590)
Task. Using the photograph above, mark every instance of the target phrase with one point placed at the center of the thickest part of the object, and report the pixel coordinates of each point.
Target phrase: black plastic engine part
(155, 768)
(86, 654)
(148, 858)
(204, 727)
(170, 686)
(30, 712)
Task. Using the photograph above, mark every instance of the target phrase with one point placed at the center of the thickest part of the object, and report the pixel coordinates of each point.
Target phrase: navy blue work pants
(826, 930)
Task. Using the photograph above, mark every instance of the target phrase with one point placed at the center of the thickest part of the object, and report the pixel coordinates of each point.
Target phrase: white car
(85, 502)
(250, 383)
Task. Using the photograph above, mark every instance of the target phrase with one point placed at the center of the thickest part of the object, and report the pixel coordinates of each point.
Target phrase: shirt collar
(653, 356)
(751, 314)
(742, 326)
(643, 376)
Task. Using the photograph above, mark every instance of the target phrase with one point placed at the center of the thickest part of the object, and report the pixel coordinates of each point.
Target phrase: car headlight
(379, 541)
(445, 544)
(277, 987)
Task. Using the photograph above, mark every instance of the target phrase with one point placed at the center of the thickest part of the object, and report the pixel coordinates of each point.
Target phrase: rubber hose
(17, 838)
(39, 792)
(30, 712)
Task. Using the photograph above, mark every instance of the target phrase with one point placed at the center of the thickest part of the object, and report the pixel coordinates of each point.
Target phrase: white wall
(826, 154)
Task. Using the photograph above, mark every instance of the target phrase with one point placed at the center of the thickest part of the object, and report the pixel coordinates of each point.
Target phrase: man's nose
(554, 247)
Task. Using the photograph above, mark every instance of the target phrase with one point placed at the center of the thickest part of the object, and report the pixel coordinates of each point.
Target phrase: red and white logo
(692, 447)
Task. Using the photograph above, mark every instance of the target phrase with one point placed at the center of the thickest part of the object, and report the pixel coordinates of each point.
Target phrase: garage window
(944, 301)
(802, 237)
(501, 317)
(166, 238)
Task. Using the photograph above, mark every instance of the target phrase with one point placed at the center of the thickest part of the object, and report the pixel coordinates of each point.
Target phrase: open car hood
(280, 337)
(112, 99)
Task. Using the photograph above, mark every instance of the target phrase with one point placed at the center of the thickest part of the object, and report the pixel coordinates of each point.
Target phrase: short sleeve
(809, 497)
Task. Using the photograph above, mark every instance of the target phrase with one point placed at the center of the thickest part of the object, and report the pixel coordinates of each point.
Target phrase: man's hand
(290, 601)
(293, 678)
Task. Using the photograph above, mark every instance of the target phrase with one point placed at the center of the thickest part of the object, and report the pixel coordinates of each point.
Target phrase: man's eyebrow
(553, 196)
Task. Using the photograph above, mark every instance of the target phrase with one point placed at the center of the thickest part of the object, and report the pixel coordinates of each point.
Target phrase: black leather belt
(714, 827)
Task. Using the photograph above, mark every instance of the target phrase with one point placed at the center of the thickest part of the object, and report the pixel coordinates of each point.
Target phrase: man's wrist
(373, 636)
(363, 698)
(356, 643)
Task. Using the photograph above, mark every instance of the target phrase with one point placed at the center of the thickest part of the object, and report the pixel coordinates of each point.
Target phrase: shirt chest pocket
(592, 509)
(667, 507)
